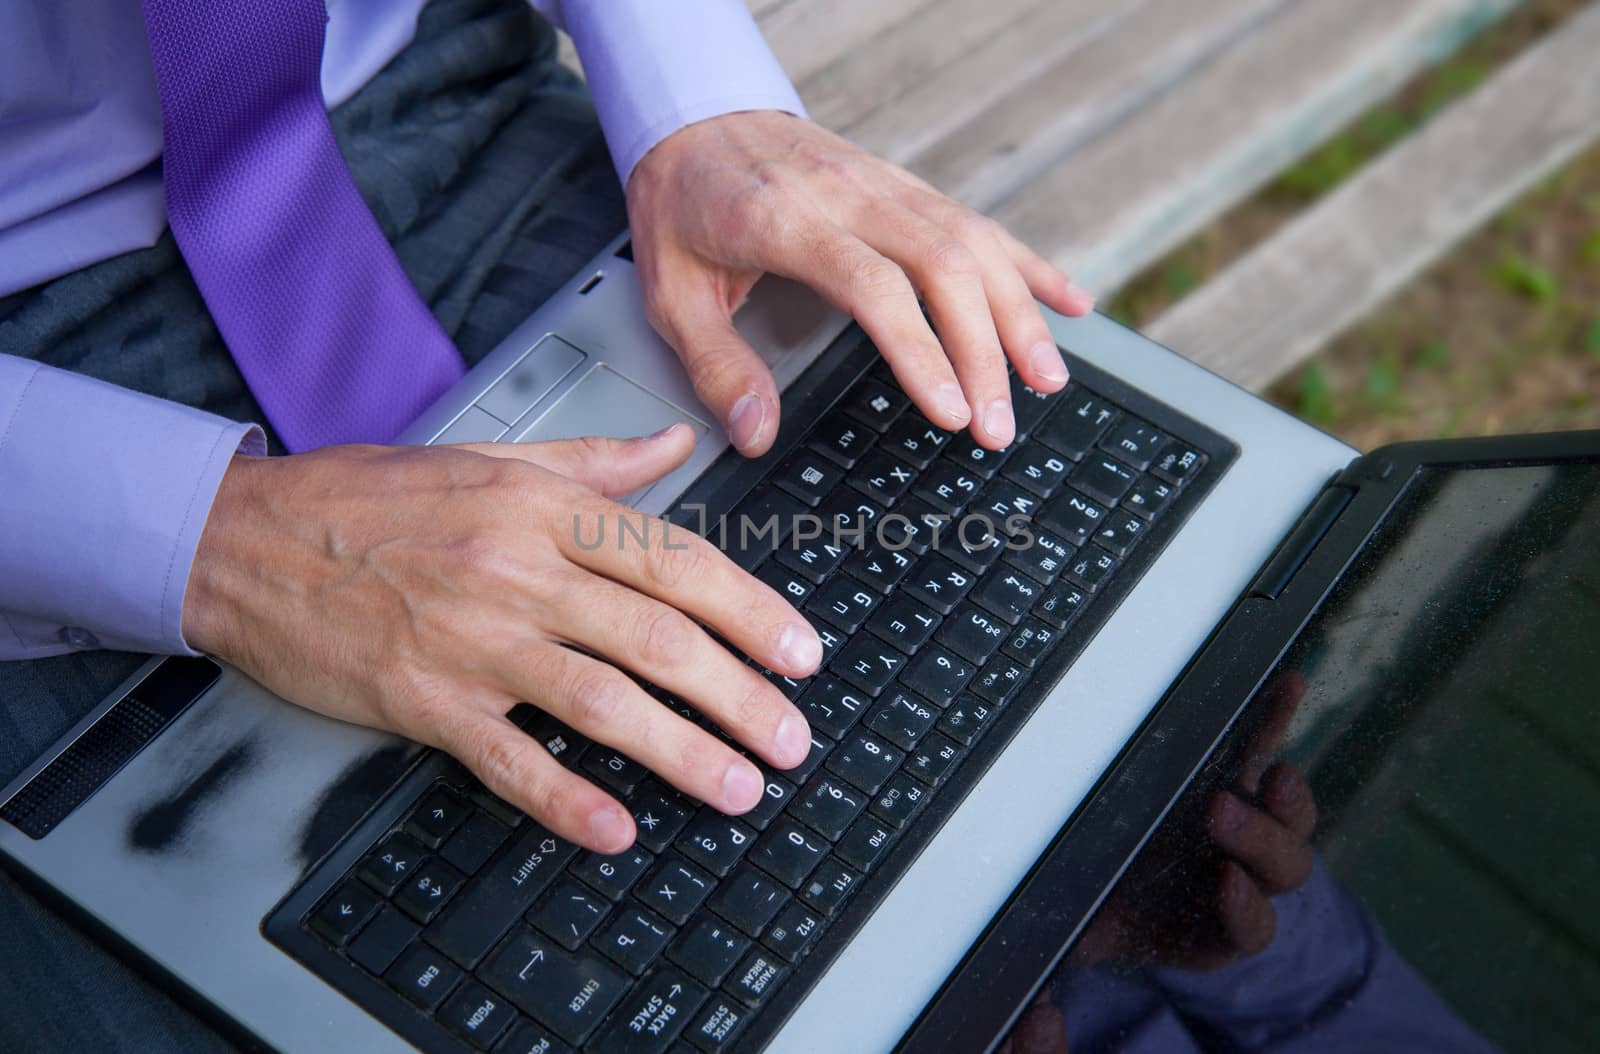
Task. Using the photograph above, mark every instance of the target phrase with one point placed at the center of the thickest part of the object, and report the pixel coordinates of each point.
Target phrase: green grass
(1316, 396)
(1591, 248)
(1519, 275)
(1591, 343)
(1434, 354)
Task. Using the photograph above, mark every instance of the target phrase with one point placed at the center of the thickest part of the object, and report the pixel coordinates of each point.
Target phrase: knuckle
(553, 800)
(597, 696)
(949, 260)
(662, 637)
(874, 278)
(670, 569)
(753, 705)
(504, 762)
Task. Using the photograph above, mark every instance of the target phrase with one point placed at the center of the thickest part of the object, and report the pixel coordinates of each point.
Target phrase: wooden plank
(935, 73)
(809, 35)
(1041, 118)
(1333, 264)
(1145, 185)
(763, 8)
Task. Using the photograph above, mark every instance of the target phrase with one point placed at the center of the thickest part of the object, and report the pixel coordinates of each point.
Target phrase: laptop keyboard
(939, 575)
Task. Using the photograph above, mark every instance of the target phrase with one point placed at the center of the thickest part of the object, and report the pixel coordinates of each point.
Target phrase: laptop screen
(1398, 845)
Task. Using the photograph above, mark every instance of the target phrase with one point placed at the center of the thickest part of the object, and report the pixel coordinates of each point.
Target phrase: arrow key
(436, 817)
(428, 890)
(343, 913)
(657, 1011)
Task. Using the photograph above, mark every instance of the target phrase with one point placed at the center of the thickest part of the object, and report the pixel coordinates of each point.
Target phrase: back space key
(498, 895)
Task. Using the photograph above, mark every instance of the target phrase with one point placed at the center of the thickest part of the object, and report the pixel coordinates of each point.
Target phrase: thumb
(613, 467)
(728, 376)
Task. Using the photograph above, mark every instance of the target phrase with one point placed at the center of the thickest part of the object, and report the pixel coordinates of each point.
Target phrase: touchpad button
(606, 403)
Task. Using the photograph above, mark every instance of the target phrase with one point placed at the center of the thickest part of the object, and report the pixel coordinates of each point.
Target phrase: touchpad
(605, 403)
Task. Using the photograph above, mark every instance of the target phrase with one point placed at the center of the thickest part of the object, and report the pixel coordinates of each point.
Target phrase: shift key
(566, 993)
(498, 895)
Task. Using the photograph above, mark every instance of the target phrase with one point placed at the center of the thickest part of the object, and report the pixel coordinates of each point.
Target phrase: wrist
(218, 561)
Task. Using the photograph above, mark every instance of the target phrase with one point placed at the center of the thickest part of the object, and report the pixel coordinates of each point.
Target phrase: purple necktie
(329, 333)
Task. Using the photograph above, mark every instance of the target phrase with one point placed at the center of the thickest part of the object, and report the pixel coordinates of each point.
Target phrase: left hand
(719, 203)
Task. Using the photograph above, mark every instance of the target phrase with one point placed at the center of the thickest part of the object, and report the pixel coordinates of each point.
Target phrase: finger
(1249, 922)
(1041, 1030)
(687, 572)
(666, 648)
(864, 283)
(728, 376)
(1288, 798)
(950, 277)
(612, 467)
(597, 700)
(520, 770)
(1275, 855)
(1279, 700)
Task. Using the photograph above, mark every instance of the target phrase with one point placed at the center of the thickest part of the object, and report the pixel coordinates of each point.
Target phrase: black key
(1149, 497)
(570, 913)
(1037, 468)
(828, 806)
(749, 900)
(903, 719)
(385, 937)
(833, 707)
(865, 761)
(973, 633)
(808, 476)
(777, 794)
(475, 919)
(843, 603)
(1075, 424)
(1027, 405)
(1008, 507)
(422, 976)
(868, 663)
(526, 1037)
(939, 584)
(879, 568)
(474, 843)
(1135, 442)
(832, 640)
(502, 811)
(789, 852)
(715, 842)
(900, 800)
(612, 876)
(937, 676)
(565, 745)
(388, 865)
(1043, 558)
(1178, 463)
(933, 759)
(1030, 641)
(658, 1009)
(973, 544)
(756, 528)
(914, 440)
(436, 817)
(842, 438)
(1072, 516)
(428, 889)
(847, 518)
(794, 928)
(613, 769)
(968, 719)
(813, 559)
(912, 527)
(904, 622)
(567, 993)
(674, 889)
(790, 585)
(1008, 593)
(865, 843)
(965, 452)
(1103, 478)
(875, 404)
(344, 912)
(754, 978)
(709, 950)
(1091, 567)
(634, 939)
(658, 816)
(997, 682)
(882, 478)
(790, 687)
(829, 885)
(1061, 604)
(1120, 533)
(477, 1015)
(717, 1025)
(821, 747)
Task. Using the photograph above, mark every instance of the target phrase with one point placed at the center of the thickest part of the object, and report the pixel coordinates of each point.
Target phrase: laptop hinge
(1311, 529)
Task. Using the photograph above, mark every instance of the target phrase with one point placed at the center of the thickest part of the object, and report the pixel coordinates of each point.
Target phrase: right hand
(426, 591)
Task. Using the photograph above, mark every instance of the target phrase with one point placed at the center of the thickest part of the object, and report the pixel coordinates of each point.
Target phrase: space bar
(497, 895)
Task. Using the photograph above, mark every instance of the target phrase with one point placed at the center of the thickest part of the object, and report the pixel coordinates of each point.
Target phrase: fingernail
(793, 741)
(999, 423)
(1081, 298)
(741, 788)
(744, 424)
(953, 403)
(610, 829)
(1046, 360)
(663, 433)
(800, 648)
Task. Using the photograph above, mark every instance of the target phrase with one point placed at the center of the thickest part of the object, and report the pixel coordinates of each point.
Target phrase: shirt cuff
(654, 67)
(106, 493)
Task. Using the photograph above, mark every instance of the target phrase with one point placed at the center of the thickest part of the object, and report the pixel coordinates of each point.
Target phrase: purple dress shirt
(104, 492)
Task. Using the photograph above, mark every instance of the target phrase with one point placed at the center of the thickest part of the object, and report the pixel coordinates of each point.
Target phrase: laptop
(1002, 722)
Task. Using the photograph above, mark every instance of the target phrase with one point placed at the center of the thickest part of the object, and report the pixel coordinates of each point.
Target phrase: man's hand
(721, 202)
(427, 591)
